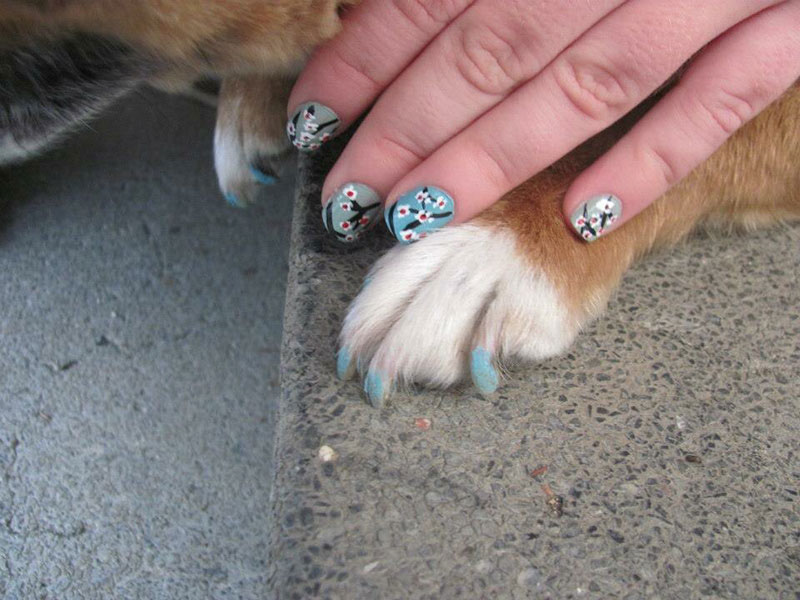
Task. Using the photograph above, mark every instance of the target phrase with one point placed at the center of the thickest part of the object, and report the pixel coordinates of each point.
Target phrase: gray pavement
(669, 432)
(139, 342)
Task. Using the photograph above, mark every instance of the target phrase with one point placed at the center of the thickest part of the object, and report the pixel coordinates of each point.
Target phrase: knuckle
(599, 92)
(488, 58)
(665, 165)
(399, 150)
(492, 162)
(424, 13)
(350, 65)
(725, 111)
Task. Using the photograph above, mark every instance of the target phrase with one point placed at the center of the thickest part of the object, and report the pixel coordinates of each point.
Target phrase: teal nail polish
(350, 211)
(231, 198)
(262, 177)
(484, 375)
(311, 125)
(597, 216)
(419, 212)
(376, 388)
(344, 364)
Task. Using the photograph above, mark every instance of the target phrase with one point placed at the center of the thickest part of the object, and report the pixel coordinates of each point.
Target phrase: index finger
(344, 76)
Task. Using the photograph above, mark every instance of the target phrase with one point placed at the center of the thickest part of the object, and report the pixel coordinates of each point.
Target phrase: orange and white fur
(525, 284)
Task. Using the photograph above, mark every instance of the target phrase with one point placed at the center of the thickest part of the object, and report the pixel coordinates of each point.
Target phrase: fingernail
(419, 212)
(597, 216)
(261, 177)
(484, 375)
(233, 200)
(344, 364)
(350, 211)
(312, 125)
(377, 388)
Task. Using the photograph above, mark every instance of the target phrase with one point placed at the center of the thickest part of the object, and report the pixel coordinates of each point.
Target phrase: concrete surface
(139, 344)
(670, 432)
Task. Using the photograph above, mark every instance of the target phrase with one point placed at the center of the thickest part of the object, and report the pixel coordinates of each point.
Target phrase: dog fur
(526, 285)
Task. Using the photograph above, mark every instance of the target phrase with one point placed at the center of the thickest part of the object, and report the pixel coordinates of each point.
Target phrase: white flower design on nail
(350, 192)
(403, 210)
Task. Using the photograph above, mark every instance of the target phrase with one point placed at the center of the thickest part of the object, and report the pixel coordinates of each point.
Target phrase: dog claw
(377, 388)
(345, 367)
(484, 374)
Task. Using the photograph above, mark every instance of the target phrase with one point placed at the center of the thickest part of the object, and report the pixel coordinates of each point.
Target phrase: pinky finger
(734, 79)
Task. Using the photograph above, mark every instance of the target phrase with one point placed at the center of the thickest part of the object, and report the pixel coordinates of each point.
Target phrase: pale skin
(477, 96)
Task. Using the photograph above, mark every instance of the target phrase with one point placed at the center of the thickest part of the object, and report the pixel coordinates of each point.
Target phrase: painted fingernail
(262, 177)
(312, 125)
(484, 375)
(345, 368)
(377, 388)
(350, 211)
(419, 212)
(231, 198)
(597, 216)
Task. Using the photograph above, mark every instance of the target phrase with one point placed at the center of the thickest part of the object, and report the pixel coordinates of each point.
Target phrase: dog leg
(51, 85)
(516, 284)
(250, 143)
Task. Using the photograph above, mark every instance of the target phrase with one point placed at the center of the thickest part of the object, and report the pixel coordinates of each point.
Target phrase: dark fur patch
(50, 85)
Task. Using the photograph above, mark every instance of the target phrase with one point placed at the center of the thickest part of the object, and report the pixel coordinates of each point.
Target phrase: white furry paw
(456, 303)
(250, 143)
(246, 161)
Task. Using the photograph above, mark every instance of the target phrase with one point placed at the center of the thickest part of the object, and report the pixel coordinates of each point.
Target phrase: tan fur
(751, 181)
(222, 37)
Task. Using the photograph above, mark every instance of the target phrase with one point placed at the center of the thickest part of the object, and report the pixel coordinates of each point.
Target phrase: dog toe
(454, 305)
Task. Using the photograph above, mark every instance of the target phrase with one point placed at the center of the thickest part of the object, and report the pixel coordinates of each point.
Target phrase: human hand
(474, 97)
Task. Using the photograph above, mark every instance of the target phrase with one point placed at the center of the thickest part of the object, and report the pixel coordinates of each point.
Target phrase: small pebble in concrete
(529, 577)
(422, 423)
(371, 566)
(326, 454)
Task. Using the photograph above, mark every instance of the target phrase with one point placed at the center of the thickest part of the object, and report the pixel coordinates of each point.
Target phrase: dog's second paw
(250, 145)
(452, 305)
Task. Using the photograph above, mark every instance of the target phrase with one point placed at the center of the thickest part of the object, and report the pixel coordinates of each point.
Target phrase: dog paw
(453, 305)
(250, 145)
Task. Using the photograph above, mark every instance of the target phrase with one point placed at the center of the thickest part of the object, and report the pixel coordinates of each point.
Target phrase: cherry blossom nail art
(597, 217)
(419, 212)
(312, 125)
(350, 211)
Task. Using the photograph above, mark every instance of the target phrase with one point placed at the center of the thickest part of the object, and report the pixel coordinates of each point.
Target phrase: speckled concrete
(670, 432)
(139, 343)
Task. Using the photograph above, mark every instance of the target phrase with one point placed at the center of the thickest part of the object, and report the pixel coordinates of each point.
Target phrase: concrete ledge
(669, 431)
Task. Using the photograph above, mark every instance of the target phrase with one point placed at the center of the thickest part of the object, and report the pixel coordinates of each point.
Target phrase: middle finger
(487, 52)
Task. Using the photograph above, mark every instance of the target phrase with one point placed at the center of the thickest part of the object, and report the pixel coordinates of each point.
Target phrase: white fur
(231, 163)
(427, 305)
(235, 147)
(12, 151)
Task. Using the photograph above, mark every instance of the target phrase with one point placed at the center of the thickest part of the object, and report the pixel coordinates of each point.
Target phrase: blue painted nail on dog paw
(377, 388)
(484, 375)
(261, 177)
(419, 212)
(233, 200)
(344, 364)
